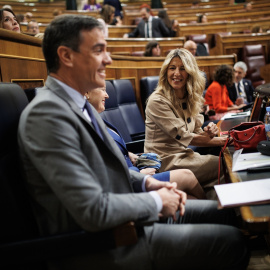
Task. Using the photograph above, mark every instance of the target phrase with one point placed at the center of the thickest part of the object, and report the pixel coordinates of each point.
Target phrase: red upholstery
(254, 57)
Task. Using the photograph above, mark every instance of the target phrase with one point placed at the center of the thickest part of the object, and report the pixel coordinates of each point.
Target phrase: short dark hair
(224, 75)
(65, 30)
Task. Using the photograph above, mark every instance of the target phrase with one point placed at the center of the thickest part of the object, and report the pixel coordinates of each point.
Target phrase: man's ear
(65, 55)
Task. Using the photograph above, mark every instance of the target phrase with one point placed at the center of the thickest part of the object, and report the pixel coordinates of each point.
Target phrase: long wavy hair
(195, 82)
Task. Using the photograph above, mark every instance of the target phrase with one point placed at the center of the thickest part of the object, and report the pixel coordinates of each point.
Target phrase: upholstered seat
(112, 113)
(129, 109)
(147, 86)
(254, 57)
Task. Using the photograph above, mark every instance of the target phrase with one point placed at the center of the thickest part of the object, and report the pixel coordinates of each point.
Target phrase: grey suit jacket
(159, 29)
(76, 179)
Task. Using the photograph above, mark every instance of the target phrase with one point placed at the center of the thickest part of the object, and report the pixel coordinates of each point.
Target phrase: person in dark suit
(149, 27)
(78, 178)
(241, 91)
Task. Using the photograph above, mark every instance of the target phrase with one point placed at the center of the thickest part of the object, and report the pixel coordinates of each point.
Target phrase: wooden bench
(228, 44)
(214, 13)
(135, 68)
(21, 59)
(127, 46)
(218, 27)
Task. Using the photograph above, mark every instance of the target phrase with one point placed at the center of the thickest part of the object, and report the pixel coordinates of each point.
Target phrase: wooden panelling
(22, 69)
(126, 46)
(217, 27)
(228, 44)
(12, 43)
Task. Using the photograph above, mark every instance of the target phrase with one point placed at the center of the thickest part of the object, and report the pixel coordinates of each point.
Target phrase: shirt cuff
(154, 194)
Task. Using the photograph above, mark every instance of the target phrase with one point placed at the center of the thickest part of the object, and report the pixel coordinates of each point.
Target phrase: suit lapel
(108, 143)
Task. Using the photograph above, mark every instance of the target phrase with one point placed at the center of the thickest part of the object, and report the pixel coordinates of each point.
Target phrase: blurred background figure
(7, 6)
(106, 18)
(172, 25)
(28, 16)
(32, 27)
(202, 18)
(91, 5)
(257, 29)
(195, 4)
(9, 21)
(248, 6)
(152, 49)
(21, 18)
(191, 46)
(118, 8)
(57, 12)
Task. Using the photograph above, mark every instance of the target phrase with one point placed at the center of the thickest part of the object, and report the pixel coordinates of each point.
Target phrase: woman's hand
(211, 130)
(150, 171)
(133, 158)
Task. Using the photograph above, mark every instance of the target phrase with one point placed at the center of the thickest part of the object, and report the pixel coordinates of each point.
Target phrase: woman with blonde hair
(173, 120)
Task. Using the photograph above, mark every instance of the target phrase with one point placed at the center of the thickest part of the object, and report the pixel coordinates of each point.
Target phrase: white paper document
(244, 193)
(235, 115)
(249, 160)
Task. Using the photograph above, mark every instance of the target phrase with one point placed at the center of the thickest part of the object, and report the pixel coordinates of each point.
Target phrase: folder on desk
(235, 115)
(244, 193)
(250, 160)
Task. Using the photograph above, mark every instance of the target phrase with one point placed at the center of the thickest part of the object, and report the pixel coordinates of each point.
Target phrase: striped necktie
(240, 90)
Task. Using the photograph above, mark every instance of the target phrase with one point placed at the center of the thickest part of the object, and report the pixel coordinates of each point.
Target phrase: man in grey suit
(149, 27)
(78, 178)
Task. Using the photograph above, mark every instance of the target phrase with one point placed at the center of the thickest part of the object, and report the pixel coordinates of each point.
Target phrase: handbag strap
(220, 156)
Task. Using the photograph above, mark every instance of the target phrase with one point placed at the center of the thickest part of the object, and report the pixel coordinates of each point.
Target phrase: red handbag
(247, 135)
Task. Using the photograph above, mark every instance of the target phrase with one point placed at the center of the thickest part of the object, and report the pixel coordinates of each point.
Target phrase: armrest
(135, 146)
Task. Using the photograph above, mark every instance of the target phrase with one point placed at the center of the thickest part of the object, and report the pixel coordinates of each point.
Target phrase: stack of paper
(244, 193)
(249, 160)
(235, 115)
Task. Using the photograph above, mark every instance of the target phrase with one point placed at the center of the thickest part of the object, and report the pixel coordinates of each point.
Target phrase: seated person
(191, 46)
(217, 96)
(184, 178)
(172, 25)
(32, 27)
(8, 20)
(202, 18)
(152, 48)
(149, 27)
(91, 5)
(241, 91)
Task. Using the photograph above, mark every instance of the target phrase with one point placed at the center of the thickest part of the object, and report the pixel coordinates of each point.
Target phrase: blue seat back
(129, 109)
(147, 86)
(112, 113)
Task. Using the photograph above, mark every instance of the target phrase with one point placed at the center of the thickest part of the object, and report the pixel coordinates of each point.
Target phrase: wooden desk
(256, 217)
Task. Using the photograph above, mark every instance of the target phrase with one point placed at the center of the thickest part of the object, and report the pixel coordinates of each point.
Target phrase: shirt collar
(75, 95)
